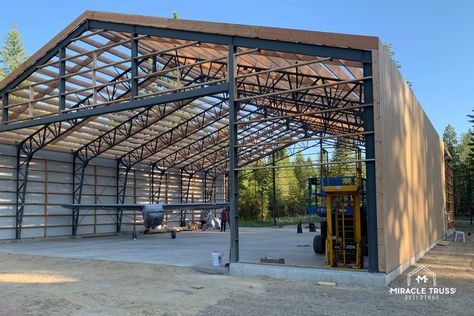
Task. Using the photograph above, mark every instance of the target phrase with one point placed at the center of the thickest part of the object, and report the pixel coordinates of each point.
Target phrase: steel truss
(115, 136)
(25, 152)
(164, 140)
(273, 105)
(140, 121)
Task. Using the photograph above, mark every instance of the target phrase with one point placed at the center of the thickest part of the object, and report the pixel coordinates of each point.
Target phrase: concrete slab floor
(192, 248)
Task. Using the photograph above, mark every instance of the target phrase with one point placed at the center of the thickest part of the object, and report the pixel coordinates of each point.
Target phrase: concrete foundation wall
(50, 186)
(410, 170)
(304, 274)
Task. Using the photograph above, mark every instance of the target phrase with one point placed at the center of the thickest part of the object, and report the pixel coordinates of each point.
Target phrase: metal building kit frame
(202, 99)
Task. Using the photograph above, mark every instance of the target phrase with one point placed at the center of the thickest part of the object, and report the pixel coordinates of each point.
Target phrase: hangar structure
(132, 109)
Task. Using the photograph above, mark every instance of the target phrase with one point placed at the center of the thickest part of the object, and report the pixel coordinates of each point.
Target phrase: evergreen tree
(471, 142)
(462, 174)
(471, 166)
(12, 52)
(344, 151)
(262, 180)
(284, 177)
(253, 189)
(391, 52)
(296, 186)
(302, 171)
(450, 139)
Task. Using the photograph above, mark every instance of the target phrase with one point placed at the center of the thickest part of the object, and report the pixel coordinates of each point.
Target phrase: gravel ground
(34, 285)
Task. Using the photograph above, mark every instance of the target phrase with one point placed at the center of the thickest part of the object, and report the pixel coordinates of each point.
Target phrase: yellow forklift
(339, 201)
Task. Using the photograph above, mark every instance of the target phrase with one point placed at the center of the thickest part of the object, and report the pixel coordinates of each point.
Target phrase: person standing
(203, 220)
(224, 218)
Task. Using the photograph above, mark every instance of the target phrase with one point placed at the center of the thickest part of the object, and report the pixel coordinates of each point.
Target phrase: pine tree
(253, 188)
(176, 15)
(470, 164)
(302, 171)
(391, 52)
(12, 52)
(342, 153)
(462, 174)
(262, 180)
(283, 179)
(471, 142)
(450, 139)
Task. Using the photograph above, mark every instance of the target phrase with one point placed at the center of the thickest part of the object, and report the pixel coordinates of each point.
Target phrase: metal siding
(59, 187)
(410, 163)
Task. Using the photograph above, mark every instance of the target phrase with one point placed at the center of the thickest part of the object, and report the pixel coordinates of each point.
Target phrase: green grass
(280, 221)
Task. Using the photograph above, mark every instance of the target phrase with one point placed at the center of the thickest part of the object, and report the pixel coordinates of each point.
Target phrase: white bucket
(216, 258)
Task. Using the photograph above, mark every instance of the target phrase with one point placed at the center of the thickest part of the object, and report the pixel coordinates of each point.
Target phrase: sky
(433, 40)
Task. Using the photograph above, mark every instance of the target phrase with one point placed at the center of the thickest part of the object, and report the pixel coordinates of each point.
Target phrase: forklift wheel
(319, 244)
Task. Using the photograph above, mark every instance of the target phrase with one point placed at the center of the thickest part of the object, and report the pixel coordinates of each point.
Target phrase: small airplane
(153, 214)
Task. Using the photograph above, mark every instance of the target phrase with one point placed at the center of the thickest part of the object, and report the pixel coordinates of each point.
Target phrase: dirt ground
(34, 285)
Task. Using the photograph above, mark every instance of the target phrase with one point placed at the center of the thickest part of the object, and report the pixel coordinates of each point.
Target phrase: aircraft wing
(166, 207)
(153, 214)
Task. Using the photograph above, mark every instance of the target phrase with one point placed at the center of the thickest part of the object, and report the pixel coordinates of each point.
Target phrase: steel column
(120, 198)
(370, 165)
(273, 190)
(156, 188)
(78, 169)
(25, 152)
(233, 159)
(23, 160)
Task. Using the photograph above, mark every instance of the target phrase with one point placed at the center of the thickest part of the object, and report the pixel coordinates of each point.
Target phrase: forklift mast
(343, 227)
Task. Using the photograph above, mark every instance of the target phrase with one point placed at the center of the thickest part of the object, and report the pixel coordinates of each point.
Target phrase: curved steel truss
(181, 100)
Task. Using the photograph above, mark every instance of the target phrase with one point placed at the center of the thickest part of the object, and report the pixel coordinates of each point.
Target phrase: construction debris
(272, 260)
(324, 283)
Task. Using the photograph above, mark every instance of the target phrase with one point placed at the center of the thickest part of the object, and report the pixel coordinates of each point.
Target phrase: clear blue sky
(433, 40)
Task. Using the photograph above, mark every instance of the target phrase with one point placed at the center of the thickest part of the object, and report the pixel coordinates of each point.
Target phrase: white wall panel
(48, 190)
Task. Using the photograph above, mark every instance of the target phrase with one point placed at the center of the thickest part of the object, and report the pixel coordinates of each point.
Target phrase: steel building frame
(203, 103)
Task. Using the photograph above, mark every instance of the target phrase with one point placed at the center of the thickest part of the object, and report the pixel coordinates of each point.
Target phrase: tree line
(256, 193)
(461, 148)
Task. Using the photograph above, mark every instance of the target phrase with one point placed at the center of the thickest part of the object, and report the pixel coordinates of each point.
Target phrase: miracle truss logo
(421, 286)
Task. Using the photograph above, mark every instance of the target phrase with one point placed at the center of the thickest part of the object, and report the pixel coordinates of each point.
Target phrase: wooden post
(166, 188)
(94, 90)
(30, 103)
